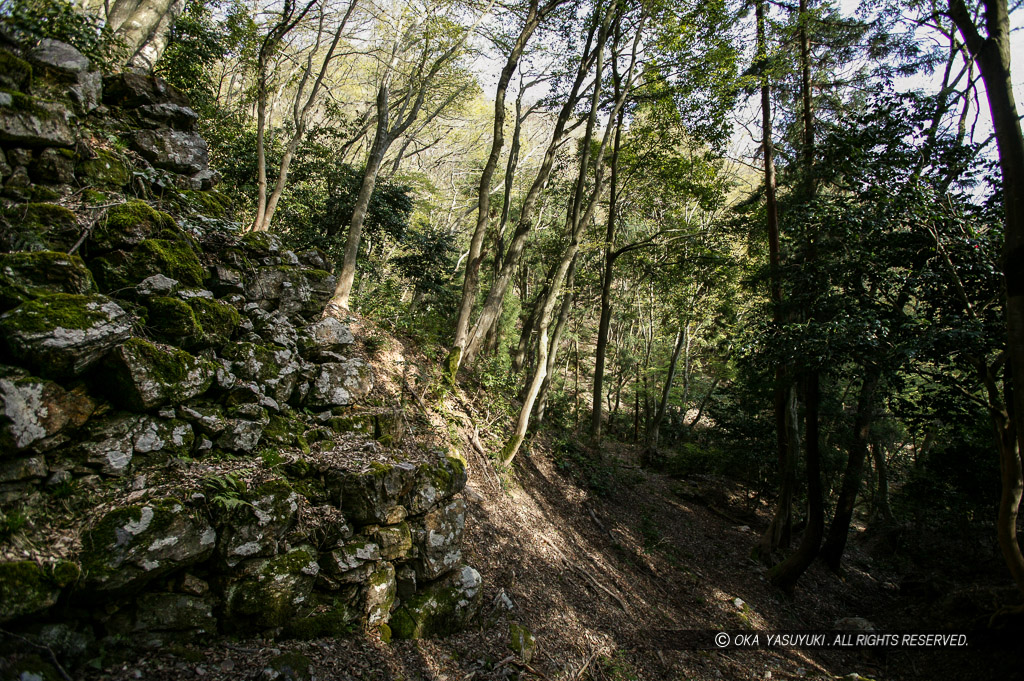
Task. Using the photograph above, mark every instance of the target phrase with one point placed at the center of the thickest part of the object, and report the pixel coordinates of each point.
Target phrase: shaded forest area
(775, 248)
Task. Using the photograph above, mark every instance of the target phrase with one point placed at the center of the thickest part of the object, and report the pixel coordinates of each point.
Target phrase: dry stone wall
(186, 447)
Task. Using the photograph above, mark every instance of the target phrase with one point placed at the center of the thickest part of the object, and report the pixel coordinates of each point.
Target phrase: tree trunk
(682, 338)
(780, 529)
(835, 543)
(785, 574)
(881, 501)
(381, 141)
(470, 282)
(492, 304)
(556, 338)
(606, 290)
(993, 56)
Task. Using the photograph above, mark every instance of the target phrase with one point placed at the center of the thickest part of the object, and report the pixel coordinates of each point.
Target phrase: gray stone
(28, 275)
(292, 290)
(380, 594)
(351, 562)
(256, 529)
(160, 436)
(440, 608)
(17, 470)
(33, 411)
(329, 334)
(144, 375)
(157, 285)
(174, 115)
(64, 334)
(373, 495)
(52, 167)
(59, 56)
(44, 124)
(132, 546)
(434, 483)
(437, 536)
(109, 445)
(270, 591)
(132, 90)
(175, 150)
(340, 384)
(174, 612)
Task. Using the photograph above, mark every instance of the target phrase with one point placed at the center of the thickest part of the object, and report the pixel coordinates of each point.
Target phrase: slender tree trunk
(606, 289)
(653, 433)
(492, 304)
(835, 543)
(993, 56)
(556, 338)
(785, 574)
(780, 529)
(881, 502)
(470, 282)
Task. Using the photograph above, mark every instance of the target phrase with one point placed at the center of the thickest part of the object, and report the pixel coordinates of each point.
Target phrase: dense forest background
(776, 241)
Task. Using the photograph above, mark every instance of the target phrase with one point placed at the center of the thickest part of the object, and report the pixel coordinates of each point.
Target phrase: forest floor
(603, 560)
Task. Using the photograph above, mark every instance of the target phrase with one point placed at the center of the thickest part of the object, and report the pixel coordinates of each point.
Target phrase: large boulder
(327, 335)
(127, 225)
(435, 482)
(132, 546)
(28, 275)
(38, 227)
(108, 444)
(174, 258)
(143, 375)
(374, 494)
(176, 150)
(380, 594)
(274, 368)
(27, 587)
(440, 608)
(257, 527)
(340, 384)
(292, 290)
(64, 334)
(34, 411)
(437, 536)
(28, 122)
(269, 592)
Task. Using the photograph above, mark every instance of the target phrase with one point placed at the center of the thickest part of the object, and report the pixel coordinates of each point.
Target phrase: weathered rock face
(34, 411)
(64, 334)
(177, 378)
(145, 375)
(132, 546)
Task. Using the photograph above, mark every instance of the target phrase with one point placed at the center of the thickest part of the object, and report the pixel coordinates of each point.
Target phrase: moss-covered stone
(329, 617)
(15, 72)
(121, 270)
(374, 494)
(256, 527)
(143, 375)
(434, 483)
(131, 546)
(28, 275)
(105, 170)
(38, 227)
(285, 431)
(64, 334)
(521, 641)
(289, 666)
(211, 204)
(174, 320)
(437, 536)
(380, 594)
(395, 541)
(218, 320)
(25, 588)
(26, 121)
(439, 609)
(128, 224)
(270, 591)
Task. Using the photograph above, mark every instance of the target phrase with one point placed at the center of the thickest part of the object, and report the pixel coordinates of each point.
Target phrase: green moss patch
(25, 588)
(121, 270)
(143, 375)
(129, 224)
(39, 226)
(15, 72)
(28, 275)
(104, 170)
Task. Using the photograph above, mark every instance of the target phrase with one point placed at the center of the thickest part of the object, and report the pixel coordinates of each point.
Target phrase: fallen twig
(40, 646)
